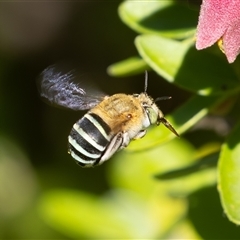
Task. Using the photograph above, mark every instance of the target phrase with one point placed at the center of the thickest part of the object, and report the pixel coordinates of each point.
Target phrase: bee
(111, 122)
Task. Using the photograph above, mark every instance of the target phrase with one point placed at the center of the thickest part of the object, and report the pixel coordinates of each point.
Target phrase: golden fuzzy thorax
(123, 112)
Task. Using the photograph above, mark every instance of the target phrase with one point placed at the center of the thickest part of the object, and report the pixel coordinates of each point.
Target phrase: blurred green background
(43, 193)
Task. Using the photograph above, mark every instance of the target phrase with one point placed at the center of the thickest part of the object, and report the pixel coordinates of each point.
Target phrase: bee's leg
(140, 134)
(126, 140)
(113, 147)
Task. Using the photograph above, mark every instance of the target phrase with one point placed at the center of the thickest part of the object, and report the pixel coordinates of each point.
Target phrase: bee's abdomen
(88, 140)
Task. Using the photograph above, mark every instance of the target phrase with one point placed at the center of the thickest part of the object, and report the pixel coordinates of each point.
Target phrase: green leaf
(128, 67)
(172, 155)
(201, 164)
(186, 185)
(198, 71)
(18, 183)
(76, 214)
(198, 173)
(135, 170)
(167, 18)
(229, 176)
(120, 214)
(182, 119)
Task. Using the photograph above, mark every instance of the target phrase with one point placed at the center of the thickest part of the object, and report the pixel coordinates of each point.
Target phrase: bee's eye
(152, 115)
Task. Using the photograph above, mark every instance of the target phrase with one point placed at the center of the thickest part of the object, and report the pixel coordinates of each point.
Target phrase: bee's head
(150, 109)
(154, 114)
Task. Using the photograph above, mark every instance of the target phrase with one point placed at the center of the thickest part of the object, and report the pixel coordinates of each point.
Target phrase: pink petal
(211, 24)
(231, 41)
(216, 16)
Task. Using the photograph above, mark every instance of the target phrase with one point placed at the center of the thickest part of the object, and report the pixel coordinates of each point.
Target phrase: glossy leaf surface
(157, 17)
(229, 176)
(128, 67)
(200, 72)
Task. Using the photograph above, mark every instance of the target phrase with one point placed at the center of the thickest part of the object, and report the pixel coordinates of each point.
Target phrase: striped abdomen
(88, 140)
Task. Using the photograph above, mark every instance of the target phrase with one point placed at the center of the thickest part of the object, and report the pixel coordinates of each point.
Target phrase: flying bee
(110, 124)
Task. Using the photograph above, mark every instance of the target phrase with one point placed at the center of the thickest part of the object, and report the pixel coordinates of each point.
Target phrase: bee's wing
(59, 88)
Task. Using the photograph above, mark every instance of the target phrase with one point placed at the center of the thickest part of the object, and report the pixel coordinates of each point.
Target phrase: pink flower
(220, 20)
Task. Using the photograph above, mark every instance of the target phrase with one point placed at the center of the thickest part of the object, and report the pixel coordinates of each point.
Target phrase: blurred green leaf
(160, 159)
(229, 176)
(207, 217)
(80, 215)
(167, 18)
(184, 230)
(184, 186)
(128, 67)
(135, 170)
(120, 214)
(18, 185)
(199, 71)
(201, 164)
(182, 119)
(199, 173)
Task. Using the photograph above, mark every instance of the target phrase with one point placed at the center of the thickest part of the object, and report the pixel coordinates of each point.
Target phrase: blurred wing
(60, 89)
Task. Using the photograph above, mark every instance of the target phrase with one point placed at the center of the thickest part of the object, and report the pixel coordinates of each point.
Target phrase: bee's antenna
(146, 82)
(162, 98)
